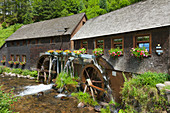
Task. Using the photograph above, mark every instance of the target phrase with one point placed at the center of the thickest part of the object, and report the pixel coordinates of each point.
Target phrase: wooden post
(38, 75)
(61, 63)
(57, 65)
(45, 77)
(50, 65)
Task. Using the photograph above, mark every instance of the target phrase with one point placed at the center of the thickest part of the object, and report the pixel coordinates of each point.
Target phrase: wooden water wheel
(92, 80)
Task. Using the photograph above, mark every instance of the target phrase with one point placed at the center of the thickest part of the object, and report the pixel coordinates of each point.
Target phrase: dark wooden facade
(130, 63)
(32, 48)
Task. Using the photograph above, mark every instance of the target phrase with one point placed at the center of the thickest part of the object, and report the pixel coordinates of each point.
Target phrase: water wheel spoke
(87, 73)
(93, 81)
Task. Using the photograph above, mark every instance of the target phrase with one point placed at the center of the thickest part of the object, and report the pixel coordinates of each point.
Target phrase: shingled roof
(140, 16)
(48, 28)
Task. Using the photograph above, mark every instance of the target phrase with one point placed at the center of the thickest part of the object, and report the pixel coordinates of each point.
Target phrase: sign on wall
(159, 50)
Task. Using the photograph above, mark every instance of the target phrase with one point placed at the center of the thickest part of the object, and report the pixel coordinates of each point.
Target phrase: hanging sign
(159, 50)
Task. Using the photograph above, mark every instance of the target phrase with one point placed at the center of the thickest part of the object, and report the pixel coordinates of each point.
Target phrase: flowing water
(39, 98)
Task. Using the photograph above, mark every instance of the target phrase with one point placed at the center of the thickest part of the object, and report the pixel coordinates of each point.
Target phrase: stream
(39, 98)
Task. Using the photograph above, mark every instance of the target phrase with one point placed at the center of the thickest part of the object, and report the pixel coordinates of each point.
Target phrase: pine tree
(103, 4)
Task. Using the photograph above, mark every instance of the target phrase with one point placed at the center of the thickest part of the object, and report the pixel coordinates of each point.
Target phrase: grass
(85, 97)
(5, 33)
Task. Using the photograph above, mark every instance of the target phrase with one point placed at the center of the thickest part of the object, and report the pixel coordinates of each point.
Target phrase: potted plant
(51, 51)
(98, 52)
(59, 51)
(16, 62)
(3, 61)
(11, 62)
(22, 63)
(139, 53)
(68, 52)
(115, 53)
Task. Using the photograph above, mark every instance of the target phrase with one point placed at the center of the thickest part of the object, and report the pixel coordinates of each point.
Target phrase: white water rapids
(29, 90)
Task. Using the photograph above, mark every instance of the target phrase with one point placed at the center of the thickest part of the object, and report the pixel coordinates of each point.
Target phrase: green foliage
(4, 69)
(33, 73)
(107, 110)
(25, 72)
(85, 98)
(29, 11)
(6, 99)
(4, 25)
(17, 71)
(141, 92)
(5, 33)
(64, 79)
(167, 87)
(116, 52)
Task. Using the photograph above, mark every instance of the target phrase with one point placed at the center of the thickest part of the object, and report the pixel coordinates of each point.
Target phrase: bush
(140, 94)
(85, 97)
(25, 72)
(33, 73)
(6, 99)
(7, 69)
(17, 71)
(4, 25)
(64, 79)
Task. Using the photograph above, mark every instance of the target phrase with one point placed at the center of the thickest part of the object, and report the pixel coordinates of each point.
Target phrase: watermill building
(144, 24)
(28, 42)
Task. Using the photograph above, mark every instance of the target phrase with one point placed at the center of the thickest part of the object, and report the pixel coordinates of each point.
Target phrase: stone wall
(129, 63)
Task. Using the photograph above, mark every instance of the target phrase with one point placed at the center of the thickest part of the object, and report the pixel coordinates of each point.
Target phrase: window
(12, 43)
(4, 57)
(52, 40)
(84, 44)
(117, 43)
(17, 43)
(143, 41)
(12, 57)
(24, 42)
(23, 58)
(17, 58)
(100, 44)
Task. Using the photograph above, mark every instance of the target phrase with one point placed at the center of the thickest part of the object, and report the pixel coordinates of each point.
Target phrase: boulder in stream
(81, 105)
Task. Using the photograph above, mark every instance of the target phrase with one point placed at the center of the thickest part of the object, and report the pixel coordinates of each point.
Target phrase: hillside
(5, 33)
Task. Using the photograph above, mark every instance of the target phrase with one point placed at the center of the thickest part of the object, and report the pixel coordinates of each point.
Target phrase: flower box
(22, 63)
(3, 61)
(16, 62)
(59, 51)
(139, 53)
(10, 62)
(98, 52)
(68, 52)
(115, 53)
(51, 51)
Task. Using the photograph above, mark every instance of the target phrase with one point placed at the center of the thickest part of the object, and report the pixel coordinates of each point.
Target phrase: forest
(30, 11)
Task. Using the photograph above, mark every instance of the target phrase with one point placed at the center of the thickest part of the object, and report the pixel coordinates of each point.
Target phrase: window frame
(12, 57)
(135, 42)
(4, 57)
(17, 58)
(100, 44)
(23, 58)
(84, 44)
(112, 42)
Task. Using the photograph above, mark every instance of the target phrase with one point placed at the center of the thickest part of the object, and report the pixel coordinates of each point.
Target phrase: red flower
(118, 55)
(138, 51)
(141, 53)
